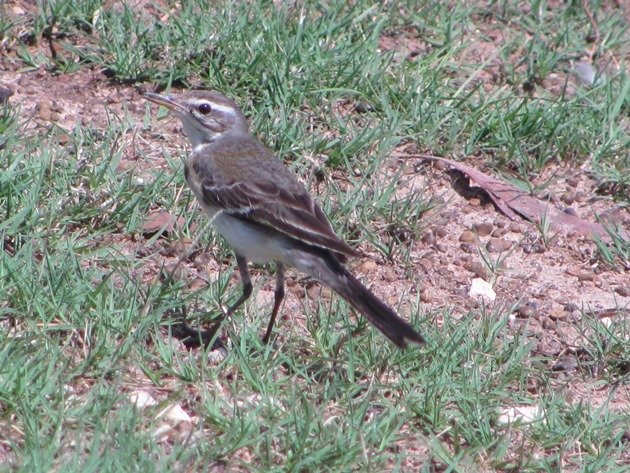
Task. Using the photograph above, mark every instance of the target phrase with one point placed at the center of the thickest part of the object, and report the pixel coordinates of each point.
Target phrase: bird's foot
(192, 337)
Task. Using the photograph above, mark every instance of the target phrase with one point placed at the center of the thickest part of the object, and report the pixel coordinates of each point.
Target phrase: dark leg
(203, 337)
(247, 285)
(278, 296)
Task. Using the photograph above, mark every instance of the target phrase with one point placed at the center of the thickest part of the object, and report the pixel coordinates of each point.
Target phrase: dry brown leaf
(514, 203)
(161, 220)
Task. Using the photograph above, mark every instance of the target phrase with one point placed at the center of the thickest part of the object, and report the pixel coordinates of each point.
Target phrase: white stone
(521, 413)
(142, 399)
(480, 289)
(174, 414)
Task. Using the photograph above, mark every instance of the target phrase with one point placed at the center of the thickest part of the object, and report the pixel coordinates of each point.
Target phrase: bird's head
(205, 114)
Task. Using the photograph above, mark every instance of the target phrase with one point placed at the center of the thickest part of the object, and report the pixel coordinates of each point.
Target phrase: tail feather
(343, 282)
(376, 311)
(328, 269)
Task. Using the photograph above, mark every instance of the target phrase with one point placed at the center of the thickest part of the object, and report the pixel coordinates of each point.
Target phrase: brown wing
(295, 215)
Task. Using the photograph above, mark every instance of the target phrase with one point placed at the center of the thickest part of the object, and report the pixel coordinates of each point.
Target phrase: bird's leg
(278, 296)
(247, 286)
(203, 337)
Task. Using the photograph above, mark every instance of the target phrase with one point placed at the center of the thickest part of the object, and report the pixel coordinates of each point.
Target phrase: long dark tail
(332, 273)
(376, 311)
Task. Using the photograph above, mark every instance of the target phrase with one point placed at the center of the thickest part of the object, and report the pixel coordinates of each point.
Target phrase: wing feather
(294, 214)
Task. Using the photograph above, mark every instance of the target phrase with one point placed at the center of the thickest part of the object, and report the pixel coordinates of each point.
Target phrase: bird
(263, 211)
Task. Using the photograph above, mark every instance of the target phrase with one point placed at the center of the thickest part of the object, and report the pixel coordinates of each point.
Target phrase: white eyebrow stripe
(216, 106)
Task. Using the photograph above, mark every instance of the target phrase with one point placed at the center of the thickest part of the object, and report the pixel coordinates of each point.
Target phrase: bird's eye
(204, 108)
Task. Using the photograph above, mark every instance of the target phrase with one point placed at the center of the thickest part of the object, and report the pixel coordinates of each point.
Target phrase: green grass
(283, 60)
(84, 316)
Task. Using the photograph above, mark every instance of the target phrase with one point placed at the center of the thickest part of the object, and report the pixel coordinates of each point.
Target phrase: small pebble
(570, 211)
(142, 399)
(500, 223)
(568, 197)
(537, 247)
(144, 88)
(467, 236)
(565, 363)
(467, 248)
(158, 220)
(498, 245)
(124, 165)
(197, 284)
(202, 260)
(363, 107)
(181, 246)
(367, 267)
(585, 277)
(477, 269)
(45, 103)
(440, 232)
(436, 200)
(174, 414)
(45, 114)
(389, 275)
(483, 229)
(5, 93)
(175, 271)
(571, 307)
(480, 289)
(573, 181)
(549, 346)
(623, 291)
(461, 291)
(527, 310)
(488, 205)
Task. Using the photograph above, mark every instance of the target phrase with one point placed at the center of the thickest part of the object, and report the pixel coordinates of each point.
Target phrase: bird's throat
(198, 135)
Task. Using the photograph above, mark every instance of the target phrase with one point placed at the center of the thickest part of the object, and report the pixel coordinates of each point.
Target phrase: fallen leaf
(161, 221)
(514, 203)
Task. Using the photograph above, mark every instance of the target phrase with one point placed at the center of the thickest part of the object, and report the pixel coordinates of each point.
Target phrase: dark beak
(165, 100)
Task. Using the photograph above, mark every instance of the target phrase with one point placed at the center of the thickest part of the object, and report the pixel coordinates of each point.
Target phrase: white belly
(254, 243)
